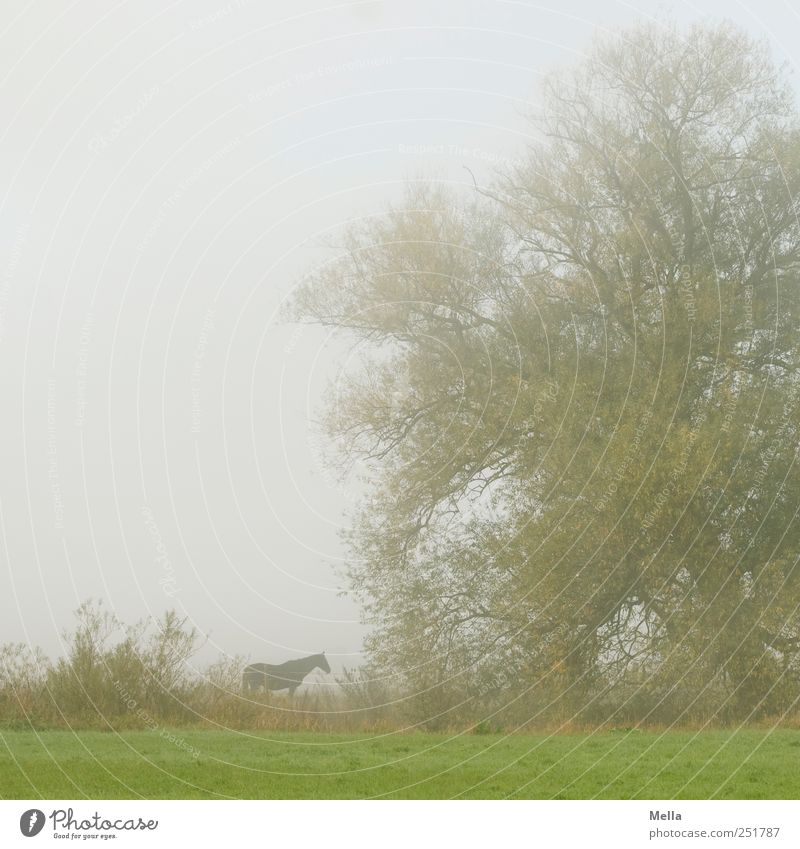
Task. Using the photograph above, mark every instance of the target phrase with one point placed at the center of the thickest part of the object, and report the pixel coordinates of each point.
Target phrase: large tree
(578, 395)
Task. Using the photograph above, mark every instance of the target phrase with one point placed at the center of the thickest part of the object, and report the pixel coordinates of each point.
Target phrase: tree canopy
(578, 397)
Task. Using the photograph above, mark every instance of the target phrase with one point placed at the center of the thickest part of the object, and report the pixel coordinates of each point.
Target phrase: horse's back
(261, 668)
(281, 676)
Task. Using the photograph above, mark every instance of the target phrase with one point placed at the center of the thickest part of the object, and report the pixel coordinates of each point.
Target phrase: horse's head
(322, 662)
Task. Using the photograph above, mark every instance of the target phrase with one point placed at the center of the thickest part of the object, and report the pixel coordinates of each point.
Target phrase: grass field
(750, 764)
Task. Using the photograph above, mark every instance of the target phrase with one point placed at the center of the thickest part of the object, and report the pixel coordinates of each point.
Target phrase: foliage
(579, 409)
(114, 676)
(109, 670)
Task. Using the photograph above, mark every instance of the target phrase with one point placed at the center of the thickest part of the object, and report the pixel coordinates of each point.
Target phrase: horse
(285, 676)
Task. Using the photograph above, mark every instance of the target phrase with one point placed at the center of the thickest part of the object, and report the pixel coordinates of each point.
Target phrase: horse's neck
(308, 663)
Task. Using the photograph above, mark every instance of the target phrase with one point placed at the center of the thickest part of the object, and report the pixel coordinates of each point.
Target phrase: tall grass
(114, 676)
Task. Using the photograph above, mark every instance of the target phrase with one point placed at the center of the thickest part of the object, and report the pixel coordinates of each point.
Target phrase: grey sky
(168, 171)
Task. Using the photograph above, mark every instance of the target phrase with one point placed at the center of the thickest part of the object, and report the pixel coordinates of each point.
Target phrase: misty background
(169, 172)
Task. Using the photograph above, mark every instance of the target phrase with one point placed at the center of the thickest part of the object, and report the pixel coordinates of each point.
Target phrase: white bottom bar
(385, 824)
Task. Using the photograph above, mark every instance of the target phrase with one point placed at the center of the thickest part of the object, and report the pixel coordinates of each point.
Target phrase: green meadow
(181, 764)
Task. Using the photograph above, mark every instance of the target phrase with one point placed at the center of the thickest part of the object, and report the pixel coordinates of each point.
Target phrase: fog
(169, 172)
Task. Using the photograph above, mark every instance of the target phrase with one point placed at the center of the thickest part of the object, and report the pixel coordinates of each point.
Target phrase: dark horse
(286, 676)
